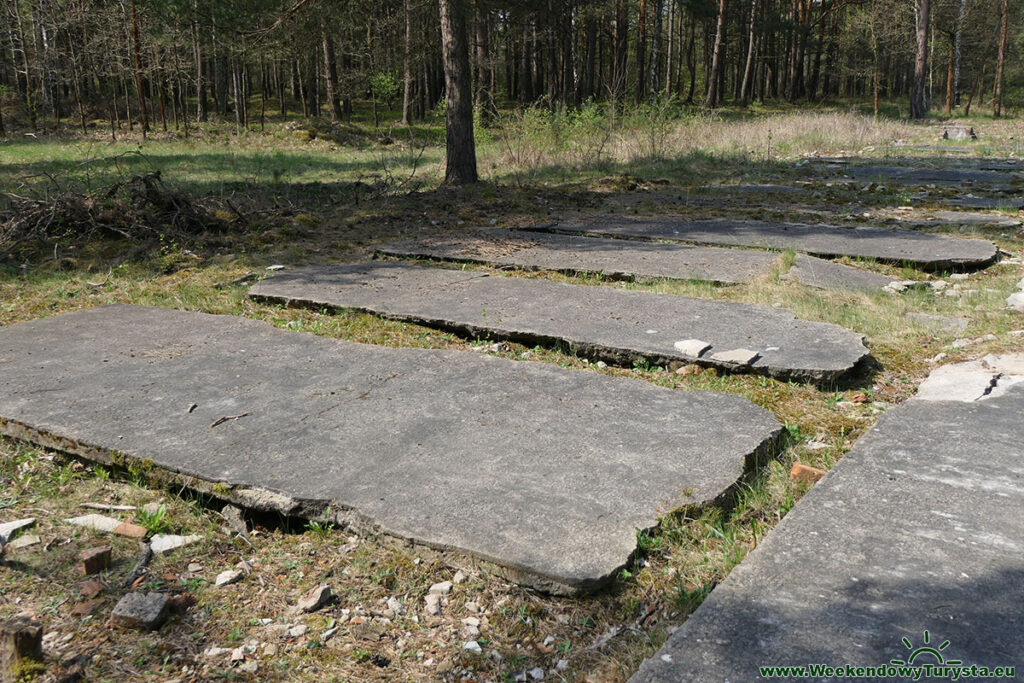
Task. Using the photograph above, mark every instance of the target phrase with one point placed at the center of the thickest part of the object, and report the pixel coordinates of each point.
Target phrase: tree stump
(21, 650)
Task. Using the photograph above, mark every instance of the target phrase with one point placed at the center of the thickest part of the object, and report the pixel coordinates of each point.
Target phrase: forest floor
(322, 194)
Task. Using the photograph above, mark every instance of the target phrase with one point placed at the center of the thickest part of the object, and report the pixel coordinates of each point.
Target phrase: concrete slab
(948, 218)
(915, 534)
(930, 252)
(920, 175)
(815, 272)
(971, 202)
(535, 468)
(602, 323)
(574, 254)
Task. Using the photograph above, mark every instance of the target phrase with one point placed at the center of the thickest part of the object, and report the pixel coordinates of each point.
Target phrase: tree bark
(656, 44)
(330, 72)
(745, 88)
(460, 158)
(407, 82)
(1001, 59)
(641, 51)
(957, 41)
(918, 102)
(711, 99)
(138, 73)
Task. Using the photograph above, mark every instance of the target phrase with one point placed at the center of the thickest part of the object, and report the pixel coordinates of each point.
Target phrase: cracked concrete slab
(575, 254)
(930, 252)
(602, 323)
(916, 530)
(535, 468)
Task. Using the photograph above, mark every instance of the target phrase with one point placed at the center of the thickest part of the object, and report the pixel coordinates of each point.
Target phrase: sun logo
(925, 649)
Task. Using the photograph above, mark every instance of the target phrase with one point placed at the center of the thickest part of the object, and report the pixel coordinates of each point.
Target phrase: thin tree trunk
(138, 73)
(918, 102)
(656, 44)
(957, 41)
(330, 72)
(201, 104)
(745, 88)
(407, 82)
(949, 80)
(711, 99)
(460, 167)
(1001, 60)
(641, 51)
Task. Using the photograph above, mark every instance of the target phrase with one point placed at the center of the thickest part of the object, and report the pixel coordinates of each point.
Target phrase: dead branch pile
(139, 209)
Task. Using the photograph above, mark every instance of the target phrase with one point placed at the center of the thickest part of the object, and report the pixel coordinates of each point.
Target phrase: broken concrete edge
(346, 519)
(608, 275)
(950, 265)
(589, 350)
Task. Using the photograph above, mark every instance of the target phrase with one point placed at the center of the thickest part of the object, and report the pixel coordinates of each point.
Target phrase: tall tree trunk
(918, 102)
(201, 104)
(330, 72)
(484, 70)
(745, 88)
(641, 51)
(655, 70)
(590, 55)
(460, 157)
(711, 99)
(138, 73)
(620, 49)
(949, 80)
(407, 82)
(956, 49)
(1000, 60)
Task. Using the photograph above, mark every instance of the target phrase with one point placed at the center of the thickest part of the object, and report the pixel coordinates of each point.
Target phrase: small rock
(458, 578)
(938, 357)
(216, 651)
(433, 603)
(195, 567)
(24, 541)
(328, 634)
(472, 607)
(805, 473)
(395, 605)
(314, 598)
(472, 646)
(95, 522)
(562, 664)
(548, 641)
(95, 560)
(151, 508)
(250, 667)
(537, 673)
(442, 588)
(228, 577)
(238, 654)
(85, 608)
(297, 631)
(275, 267)
(9, 529)
(270, 649)
(961, 343)
(165, 543)
(90, 589)
(692, 348)
(601, 364)
(815, 445)
(143, 611)
(130, 530)
(500, 347)
(1015, 302)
